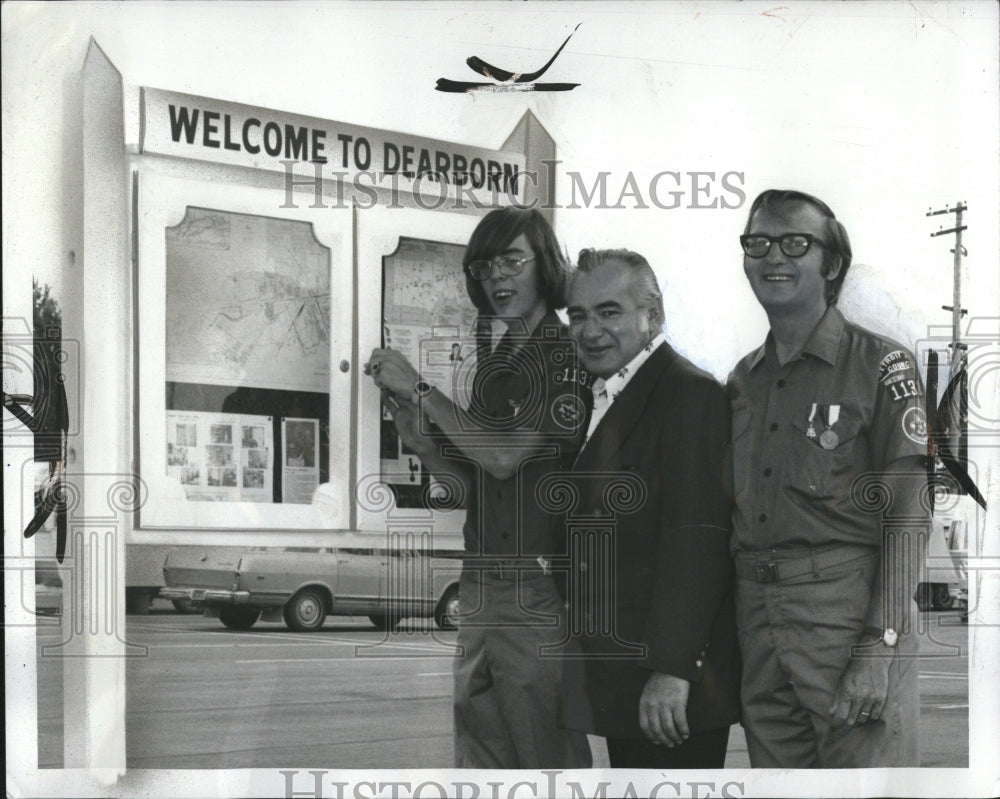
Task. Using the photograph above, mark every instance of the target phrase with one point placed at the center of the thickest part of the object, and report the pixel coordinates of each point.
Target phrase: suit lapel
(624, 412)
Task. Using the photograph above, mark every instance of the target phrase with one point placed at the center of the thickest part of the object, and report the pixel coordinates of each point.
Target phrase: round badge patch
(915, 425)
(568, 411)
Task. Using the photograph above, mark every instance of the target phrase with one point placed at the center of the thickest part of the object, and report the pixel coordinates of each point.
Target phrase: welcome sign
(309, 149)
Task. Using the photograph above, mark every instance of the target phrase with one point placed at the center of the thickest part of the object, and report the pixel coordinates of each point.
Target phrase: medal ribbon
(833, 415)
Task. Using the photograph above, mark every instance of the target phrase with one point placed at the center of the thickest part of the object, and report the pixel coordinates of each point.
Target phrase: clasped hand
(392, 372)
(395, 377)
(663, 709)
(861, 692)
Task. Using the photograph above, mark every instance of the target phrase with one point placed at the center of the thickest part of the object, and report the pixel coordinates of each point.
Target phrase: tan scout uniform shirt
(849, 405)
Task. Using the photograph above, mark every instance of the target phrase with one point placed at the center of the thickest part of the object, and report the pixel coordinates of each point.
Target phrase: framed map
(236, 335)
(248, 302)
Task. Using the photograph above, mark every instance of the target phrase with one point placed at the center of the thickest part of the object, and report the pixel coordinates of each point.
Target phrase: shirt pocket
(826, 472)
(740, 449)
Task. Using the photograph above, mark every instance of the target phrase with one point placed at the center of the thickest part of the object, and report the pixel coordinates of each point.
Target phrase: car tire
(306, 611)
(137, 601)
(239, 618)
(941, 598)
(386, 622)
(446, 615)
(924, 597)
(186, 606)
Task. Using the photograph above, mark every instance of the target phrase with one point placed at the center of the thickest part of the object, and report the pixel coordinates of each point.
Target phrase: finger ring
(863, 713)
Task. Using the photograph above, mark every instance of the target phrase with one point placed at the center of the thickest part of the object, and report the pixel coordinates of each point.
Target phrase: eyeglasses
(794, 245)
(507, 265)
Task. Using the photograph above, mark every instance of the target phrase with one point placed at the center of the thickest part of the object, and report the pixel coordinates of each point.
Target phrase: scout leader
(829, 442)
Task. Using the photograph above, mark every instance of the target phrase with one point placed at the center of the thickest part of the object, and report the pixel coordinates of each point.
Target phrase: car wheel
(137, 601)
(924, 598)
(186, 605)
(941, 598)
(385, 622)
(306, 611)
(446, 615)
(239, 618)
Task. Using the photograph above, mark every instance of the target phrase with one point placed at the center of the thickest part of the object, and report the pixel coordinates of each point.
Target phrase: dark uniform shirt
(849, 404)
(529, 385)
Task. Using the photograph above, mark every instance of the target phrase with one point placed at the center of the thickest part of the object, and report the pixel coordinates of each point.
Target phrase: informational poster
(400, 465)
(221, 457)
(300, 459)
(428, 317)
(427, 314)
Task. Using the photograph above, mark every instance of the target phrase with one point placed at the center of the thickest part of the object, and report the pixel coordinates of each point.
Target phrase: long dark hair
(495, 233)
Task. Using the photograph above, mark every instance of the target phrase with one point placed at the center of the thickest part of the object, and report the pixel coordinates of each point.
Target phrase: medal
(811, 432)
(828, 438)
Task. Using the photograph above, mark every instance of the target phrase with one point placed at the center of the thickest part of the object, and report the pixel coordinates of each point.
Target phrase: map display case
(236, 338)
(412, 298)
(428, 317)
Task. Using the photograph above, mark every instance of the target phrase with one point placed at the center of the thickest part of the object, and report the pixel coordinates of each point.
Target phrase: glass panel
(427, 316)
(247, 357)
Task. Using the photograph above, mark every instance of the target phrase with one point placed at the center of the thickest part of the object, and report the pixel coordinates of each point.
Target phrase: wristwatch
(887, 636)
(422, 388)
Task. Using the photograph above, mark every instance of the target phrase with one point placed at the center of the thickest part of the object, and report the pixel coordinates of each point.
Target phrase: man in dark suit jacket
(651, 578)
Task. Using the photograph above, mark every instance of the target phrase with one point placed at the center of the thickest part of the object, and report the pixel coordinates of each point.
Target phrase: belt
(773, 567)
(507, 567)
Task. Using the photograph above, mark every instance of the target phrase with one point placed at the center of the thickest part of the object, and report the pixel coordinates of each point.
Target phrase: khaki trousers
(507, 688)
(795, 638)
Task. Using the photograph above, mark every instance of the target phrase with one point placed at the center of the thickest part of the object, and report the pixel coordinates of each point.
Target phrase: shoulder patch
(900, 387)
(893, 363)
(915, 425)
(568, 411)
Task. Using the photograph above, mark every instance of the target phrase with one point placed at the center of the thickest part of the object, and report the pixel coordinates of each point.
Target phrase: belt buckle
(767, 572)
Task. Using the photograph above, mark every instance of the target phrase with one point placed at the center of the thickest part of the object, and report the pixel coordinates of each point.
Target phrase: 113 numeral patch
(904, 389)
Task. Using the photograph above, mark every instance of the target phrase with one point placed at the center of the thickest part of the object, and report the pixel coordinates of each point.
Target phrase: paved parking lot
(349, 696)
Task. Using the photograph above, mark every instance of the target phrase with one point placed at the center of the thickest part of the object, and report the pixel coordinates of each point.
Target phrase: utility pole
(956, 302)
(958, 364)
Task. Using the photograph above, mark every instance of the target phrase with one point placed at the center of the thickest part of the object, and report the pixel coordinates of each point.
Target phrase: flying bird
(446, 85)
(505, 80)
